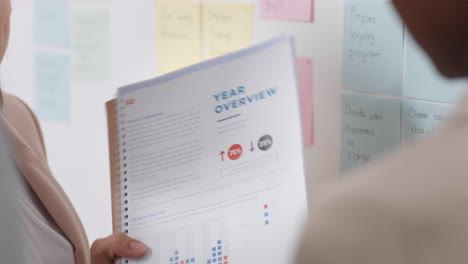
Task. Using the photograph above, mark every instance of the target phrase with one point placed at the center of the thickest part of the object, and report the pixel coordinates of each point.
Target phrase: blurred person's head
(5, 11)
(441, 28)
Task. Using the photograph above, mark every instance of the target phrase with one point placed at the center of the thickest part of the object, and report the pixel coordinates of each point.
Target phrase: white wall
(78, 150)
(323, 41)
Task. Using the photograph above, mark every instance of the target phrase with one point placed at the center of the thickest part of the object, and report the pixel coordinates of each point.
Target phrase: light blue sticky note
(51, 23)
(52, 87)
(370, 125)
(372, 48)
(423, 119)
(423, 81)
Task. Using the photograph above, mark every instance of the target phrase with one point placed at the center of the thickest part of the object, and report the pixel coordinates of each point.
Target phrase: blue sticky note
(52, 87)
(423, 81)
(51, 23)
(372, 48)
(370, 125)
(423, 119)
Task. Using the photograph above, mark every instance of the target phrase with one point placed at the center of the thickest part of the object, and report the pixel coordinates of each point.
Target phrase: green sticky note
(370, 126)
(372, 48)
(423, 119)
(90, 44)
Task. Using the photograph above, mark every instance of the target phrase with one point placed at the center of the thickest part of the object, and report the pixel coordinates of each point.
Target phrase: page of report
(211, 160)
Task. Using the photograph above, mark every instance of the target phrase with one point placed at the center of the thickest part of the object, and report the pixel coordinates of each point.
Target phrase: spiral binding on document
(122, 168)
(119, 179)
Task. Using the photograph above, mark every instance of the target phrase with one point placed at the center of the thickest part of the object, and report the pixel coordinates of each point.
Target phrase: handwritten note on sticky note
(373, 48)
(296, 10)
(423, 81)
(89, 44)
(51, 23)
(228, 27)
(179, 40)
(370, 126)
(305, 73)
(423, 119)
(52, 90)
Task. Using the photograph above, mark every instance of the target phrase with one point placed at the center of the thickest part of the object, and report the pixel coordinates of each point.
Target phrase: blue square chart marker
(266, 214)
(219, 253)
(213, 249)
(192, 259)
(219, 247)
(214, 254)
(219, 242)
(267, 222)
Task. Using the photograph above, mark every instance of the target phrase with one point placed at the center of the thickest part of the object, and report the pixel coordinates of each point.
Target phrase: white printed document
(207, 161)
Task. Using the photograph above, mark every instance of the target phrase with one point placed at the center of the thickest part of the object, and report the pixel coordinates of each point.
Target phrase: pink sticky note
(297, 10)
(305, 72)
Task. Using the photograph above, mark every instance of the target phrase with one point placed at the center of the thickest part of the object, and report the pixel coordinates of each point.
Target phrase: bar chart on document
(215, 178)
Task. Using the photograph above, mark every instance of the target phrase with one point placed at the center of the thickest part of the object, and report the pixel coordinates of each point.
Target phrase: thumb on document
(115, 246)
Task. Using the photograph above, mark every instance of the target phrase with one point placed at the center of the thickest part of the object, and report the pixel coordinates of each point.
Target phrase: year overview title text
(236, 98)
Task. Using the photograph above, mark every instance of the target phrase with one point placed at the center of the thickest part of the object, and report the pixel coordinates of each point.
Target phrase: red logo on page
(130, 102)
(235, 152)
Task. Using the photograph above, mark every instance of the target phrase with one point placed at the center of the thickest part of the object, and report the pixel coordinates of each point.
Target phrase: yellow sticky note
(228, 27)
(179, 37)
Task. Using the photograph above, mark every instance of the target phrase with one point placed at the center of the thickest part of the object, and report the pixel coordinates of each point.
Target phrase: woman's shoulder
(24, 121)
